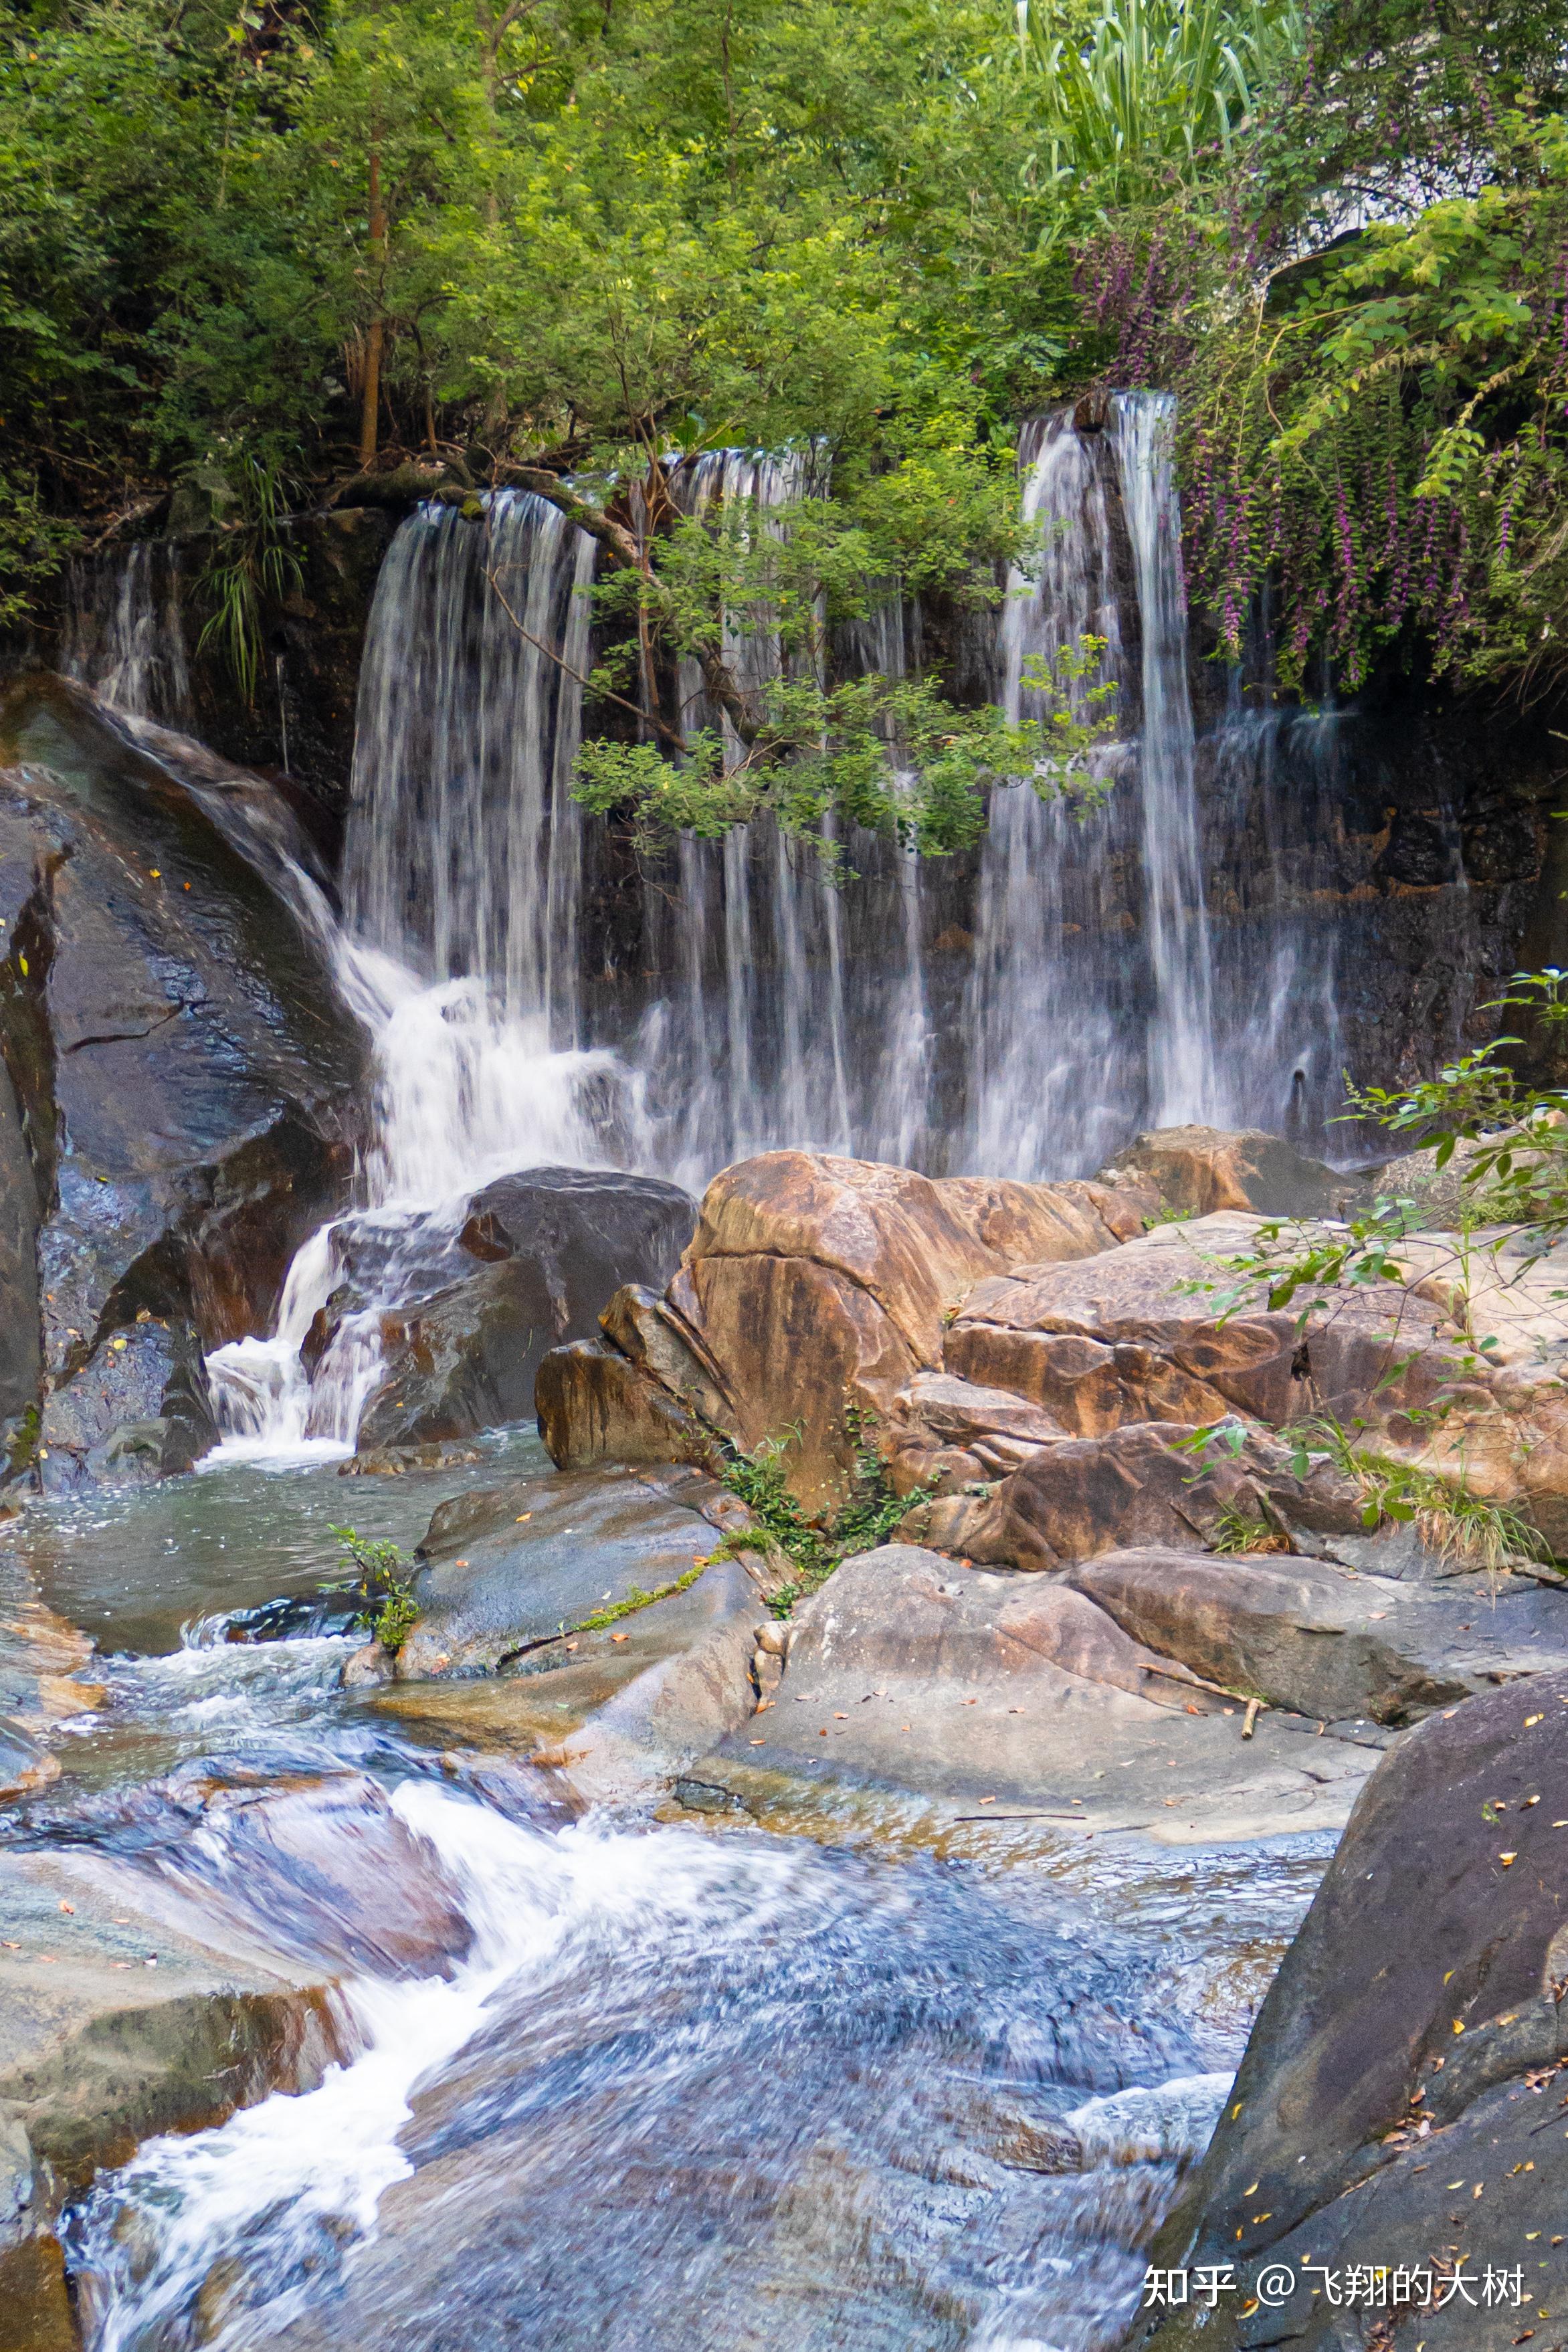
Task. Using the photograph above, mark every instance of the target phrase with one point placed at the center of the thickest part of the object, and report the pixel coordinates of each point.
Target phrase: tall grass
(1152, 86)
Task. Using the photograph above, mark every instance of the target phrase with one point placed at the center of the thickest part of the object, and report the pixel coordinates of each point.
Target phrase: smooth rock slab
(1306, 1635)
(911, 1674)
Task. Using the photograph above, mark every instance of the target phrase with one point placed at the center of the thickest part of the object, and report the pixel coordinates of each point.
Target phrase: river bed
(621, 2078)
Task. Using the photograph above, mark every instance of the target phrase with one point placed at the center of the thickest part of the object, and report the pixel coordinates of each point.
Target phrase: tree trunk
(370, 402)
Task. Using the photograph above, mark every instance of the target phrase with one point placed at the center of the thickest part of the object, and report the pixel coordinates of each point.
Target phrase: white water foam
(294, 2183)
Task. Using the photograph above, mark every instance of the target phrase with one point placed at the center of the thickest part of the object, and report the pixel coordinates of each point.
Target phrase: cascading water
(1182, 1086)
(751, 1042)
(125, 629)
(1090, 997)
(459, 948)
(1052, 1016)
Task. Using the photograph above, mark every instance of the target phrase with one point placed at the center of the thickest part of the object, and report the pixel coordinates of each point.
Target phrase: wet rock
(326, 1870)
(1195, 1170)
(1396, 2070)
(183, 1081)
(1081, 1496)
(397, 1461)
(910, 1672)
(1307, 1636)
(693, 1688)
(513, 1568)
(44, 1664)
(549, 1247)
(813, 1290)
(139, 1408)
(24, 1764)
(115, 2024)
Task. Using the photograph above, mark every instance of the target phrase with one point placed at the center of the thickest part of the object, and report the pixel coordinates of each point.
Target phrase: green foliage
(870, 1515)
(821, 754)
(380, 1582)
(1236, 1530)
(1449, 1518)
(1156, 85)
(253, 563)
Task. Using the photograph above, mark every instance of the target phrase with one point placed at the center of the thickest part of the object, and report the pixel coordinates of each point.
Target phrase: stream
(610, 2079)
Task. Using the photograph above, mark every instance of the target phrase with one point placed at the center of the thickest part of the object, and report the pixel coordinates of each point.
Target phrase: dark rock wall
(1415, 822)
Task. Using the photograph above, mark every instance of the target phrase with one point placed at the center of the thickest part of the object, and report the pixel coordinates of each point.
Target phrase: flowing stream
(602, 2079)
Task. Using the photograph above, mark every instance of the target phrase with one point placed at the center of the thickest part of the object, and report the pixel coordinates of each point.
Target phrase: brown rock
(1084, 1496)
(594, 1405)
(803, 1348)
(649, 1333)
(1130, 1336)
(813, 1290)
(1198, 1169)
(1163, 1330)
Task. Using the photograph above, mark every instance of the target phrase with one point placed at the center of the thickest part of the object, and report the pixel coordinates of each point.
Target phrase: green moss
(637, 1599)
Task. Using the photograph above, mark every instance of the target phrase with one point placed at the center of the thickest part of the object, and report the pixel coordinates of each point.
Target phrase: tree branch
(668, 734)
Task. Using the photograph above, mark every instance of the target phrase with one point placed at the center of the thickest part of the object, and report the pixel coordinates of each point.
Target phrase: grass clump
(1238, 1530)
(813, 1547)
(1450, 1519)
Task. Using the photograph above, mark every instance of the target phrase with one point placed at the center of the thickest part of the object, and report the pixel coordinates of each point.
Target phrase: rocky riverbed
(793, 1852)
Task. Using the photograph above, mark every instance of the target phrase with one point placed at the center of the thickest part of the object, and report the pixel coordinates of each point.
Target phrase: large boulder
(140, 1407)
(529, 1267)
(813, 1290)
(179, 1090)
(509, 1570)
(1399, 2108)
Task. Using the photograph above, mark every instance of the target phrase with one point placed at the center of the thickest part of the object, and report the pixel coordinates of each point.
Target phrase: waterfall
(124, 631)
(1052, 1010)
(1024, 1018)
(459, 948)
(753, 1040)
(1183, 1085)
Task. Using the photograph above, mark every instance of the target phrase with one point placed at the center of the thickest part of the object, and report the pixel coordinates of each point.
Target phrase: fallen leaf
(69, 1907)
(1507, 1859)
(1530, 1719)
(759, 1743)
(620, 1637)
(521, 1517)
(988, 1801)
